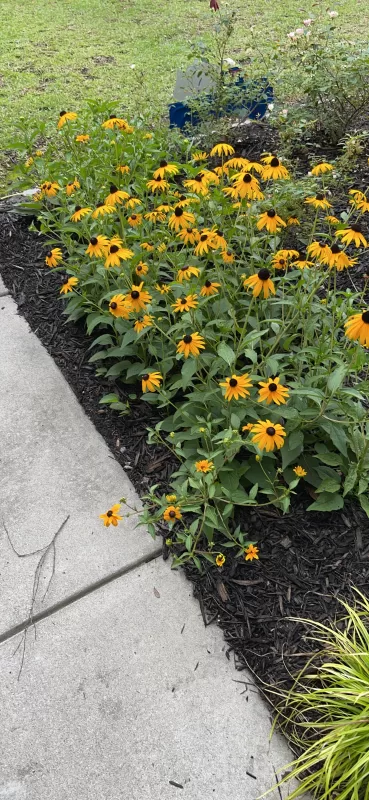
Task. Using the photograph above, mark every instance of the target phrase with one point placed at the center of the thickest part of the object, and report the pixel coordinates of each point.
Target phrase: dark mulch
(307, 560)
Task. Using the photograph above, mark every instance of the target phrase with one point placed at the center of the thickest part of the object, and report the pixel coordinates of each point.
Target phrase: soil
(308, 561)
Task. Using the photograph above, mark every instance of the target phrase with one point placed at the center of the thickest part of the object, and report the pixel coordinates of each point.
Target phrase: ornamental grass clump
(212, 285)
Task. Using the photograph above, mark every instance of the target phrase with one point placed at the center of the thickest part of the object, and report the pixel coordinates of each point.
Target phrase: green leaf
(357, 442)
(229, 480)
(253, 491)
(337, 435)
(189, 543)
(109, 398)
(226, 353)
(292, 448)
(332, 459)
(329, 485)
(327, 502)
(336, 378)
(364, 502)
(350, 479)
(106, 338)
(188, 371)
(363, 485)
(235, 421)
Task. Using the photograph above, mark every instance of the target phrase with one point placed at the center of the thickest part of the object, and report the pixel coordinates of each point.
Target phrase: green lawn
(56, 53)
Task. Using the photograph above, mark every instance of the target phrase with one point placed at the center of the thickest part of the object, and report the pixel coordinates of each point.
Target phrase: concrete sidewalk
(123, 693)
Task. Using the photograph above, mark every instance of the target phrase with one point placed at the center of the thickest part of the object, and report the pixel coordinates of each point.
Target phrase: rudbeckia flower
(29, 162)
(115, 122)
(172, 513)
(145, 322)
(163, 288)
(79, 213)
(147, 246)
(236, 386)
(220, 560)
(209, 288)
(357, 328)
(120, 306)
(278, 262)
(72, 186)
(139, 297)
(321, 169)
(362, 204)
(102, 209)
(197, 184)
(206, 242)
(151, 381)
(66, 116)
(53, 257)
(68, 286)
(123, 169)
(190, 345)
(268, 435)
(157, 185)
(166, 169)
(275, 170)
(97, 247)
(189, 235)
(222, 149)
(199, 155)
(320, 250)
(237, 163)
(132, 202)
(231, 191)
(49, 188)
(218, 239)
(184, 274)
(116, 254)
(111, 517)
(299, 471)
(142, 268)
(180, 219)
(135, 220)
(318, 201)
(83, 137)
(228, 257)
(339, 259)
(204, 465)
(353, 234)
(293, 220)
(161, 248)
(155, 216)
(246, 185)
(260, 282)
(185, 303)
(115, 195)
(272, 391)
(251, 553)
(271, 221)
(332, 220)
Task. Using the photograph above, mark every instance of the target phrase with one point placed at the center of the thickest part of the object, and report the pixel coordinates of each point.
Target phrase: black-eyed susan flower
(189, 236)
(157, 185)
(275, 170)
(238, 162)
(28, 163)
(102, 209)
(222, 149)
(49, 188)
(142, 268)
(163, 288)
(198, 184)
(147, 246)
(209, 288)
(120, 306)
(318, 201)
(83, 138)
(139, 297)
(145, 322)
(332, 219)
(260, 282)
(132, 202)
(68, 286)
(319, 250)
(185, 303)
(232, 192)
(272, 391)
(205, 243)
(66, 116)
(251, 553)
(247, 428)
(111, 517)
(98, 246)
(181, 219)
(321, 169)
(287, 253)
(155, 216)
(220, 560)
(246, 185)
(271, 221)
(161, 248)
(362, 204)
(236, 386)
(279, 262)
(115, 122)
(199, 155)
(172, 513)
(204, 465)
(339, 259)
(228, 257)
(115, 254)
(171, 498)
(302, 261)
(353, 235)
(185, 273)
(134, 220)
(299, 471)
(71, 187)
(268, 435)
(191, 344)
(123, 169)
(293, 220)
(53, 257)
(357, 328)
(166, 169)
(115, 196)
(79, 213)
(151, 381)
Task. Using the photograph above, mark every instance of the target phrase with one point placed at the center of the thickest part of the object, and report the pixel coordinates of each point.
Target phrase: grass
(56, 54)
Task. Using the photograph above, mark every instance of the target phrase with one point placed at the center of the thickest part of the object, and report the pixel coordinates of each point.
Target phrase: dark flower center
(172, 514)
(113, 305)
(356, 228)
(98, 205)
(272, 387)
(271, 213)
(93, 241)
(78, 208)
(159, 179)
(281, 262)
(233, 382)
(112, 116)
(114, 248)
(178, 211)
(183, 269)
(163, 163)
(204, 237)
(71, 183)
(189, 230)
(247, 178)
(62, 114)
(263, 274)
(187, 339)
(182, 197)
(135, 295)
(50, 255)
(145, 377)
(219, 233)
(365, 317)
(113, 188)
(183, 301)
(208, 284)
(335, 249)
(109, 513)
(270, 431)
(322, 244)
(199, 177)
(229, 253)
(319, 196)
(139, 268)
(302, 255)
(274, 162)
(134, 216)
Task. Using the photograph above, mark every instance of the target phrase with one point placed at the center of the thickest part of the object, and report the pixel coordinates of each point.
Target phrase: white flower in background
(270, 106)
(308, 33)
(230, 62)
(307, 22)
(291, 35)
(333, 14)
(299, 31)
(133, 66)
(284, 112)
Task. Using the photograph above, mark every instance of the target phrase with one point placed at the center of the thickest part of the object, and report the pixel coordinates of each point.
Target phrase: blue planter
(252, 98)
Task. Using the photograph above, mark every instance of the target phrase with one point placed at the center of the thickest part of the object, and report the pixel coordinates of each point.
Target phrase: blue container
(250, 97)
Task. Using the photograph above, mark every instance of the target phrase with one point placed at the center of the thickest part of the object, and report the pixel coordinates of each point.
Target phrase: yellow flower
(102, 209)
(353, 234)
(268, 435)
(332, 220)
(318, 201)
(132, 202)
(339, 259)
(301, 262)
(120, 306)
(97, 247)
(29, 162)
(64, 116)
(116, 254)
(171, 498)
(148, 136)
(275, 170)
(191, 344)
(198, 184)
(320, 169)
(199, 155)
(142, 268)
(111, 517)
(271, 221)
(53, 257)
(184, 274)
(68, 286)
(145, 322)
(139, 297)
(161, 248)
(272, 391)
(220, 559)
(204, 466)
(155, 216)
(209, 288)
(72, 186)
(151, 381)
(299, 471)
(147, 246)
(83, 137)
(247, 185)
(248, 427)
(357, 328)
(115, 196)
(251, 552)
(189, 235)
(228, 257)
(79, 213)
(236, 386)
(320, 250)
(222, 149)
(293, 220)
(116, 122)
(134, 220)
(123, 169)
(163, 288)
(172, 513)
(237, 163)
(185, 303)
(39, 153)
(49, 188)
(166, 169)
(260, 282)
(180, 219)
(205, 242)
(157, 185)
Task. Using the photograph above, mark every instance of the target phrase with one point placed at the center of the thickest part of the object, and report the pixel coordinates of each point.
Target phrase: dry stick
(49, 548)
